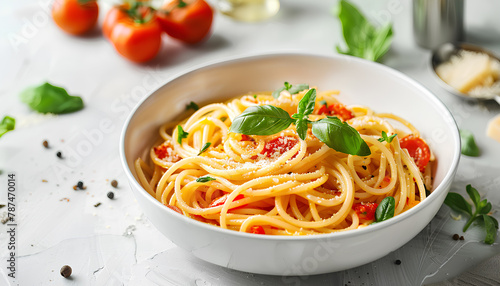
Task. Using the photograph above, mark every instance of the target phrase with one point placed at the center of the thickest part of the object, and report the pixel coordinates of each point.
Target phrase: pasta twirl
(280, 184)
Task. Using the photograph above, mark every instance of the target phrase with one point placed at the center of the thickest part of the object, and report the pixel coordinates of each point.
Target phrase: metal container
(436, 22)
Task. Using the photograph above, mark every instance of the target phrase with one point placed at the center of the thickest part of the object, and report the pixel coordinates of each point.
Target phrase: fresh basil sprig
(205, 179)
(204, 148)
(48, 98)
(385, 209)
(469, 147)
(386, 138)
(181, 134)
(269, 120)
(362, 38)
(482, 207)
(293, 89)
(7, 124)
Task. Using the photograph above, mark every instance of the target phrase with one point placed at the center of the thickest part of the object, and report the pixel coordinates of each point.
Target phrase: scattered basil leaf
(192, 106)
(427, 191)
(362, 38)
(323, 102)
(386, 138)
(491, 229)
(7, 124)
(205, 179)
(458, 203)
(48, 98)
(340, 136)
(261, 120)
(482, 208)
(181, 134)
(293, 89)
(469, 147)
(385, 209)
(254, 96)
(204, 148)
(302, 125)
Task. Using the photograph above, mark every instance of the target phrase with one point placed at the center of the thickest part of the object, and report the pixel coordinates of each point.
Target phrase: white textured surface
(113, 244)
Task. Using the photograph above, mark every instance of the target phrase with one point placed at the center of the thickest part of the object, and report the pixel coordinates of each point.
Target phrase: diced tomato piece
(323, 110)
(385, 182)
(341, 111)
(221, 200)
(279, 146)
(166, 152)
(365, 211)
(246, 138)
(175, 208)
(418, 150)
(257, 229)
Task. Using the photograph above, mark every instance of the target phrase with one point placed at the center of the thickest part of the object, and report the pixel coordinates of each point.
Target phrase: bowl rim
(445, 112)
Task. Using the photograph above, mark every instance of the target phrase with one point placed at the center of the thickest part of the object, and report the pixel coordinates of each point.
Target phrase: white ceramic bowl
(360, 82)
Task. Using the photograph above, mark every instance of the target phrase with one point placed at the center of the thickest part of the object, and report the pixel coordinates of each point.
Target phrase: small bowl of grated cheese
(468, 71)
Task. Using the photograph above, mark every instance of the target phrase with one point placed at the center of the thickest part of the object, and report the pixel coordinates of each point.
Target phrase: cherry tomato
(138, 37)
(186, 20)
(418, 150)
(336, 109)
(257, 229)
(365, 211)
(278, 145)
(75, 17)
(222, 200)
(115, 14)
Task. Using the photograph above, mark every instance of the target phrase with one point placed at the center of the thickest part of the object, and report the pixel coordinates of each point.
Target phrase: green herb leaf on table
(261, 120)
(192, 106)
(386, 138)
(385, 209)
(469, 147)
(362, 38)
(340, 136)
(293, 89)
(48, 98)
(482, 207)
(204, 148)
(181, 134)
(7, 124)
(205, 179)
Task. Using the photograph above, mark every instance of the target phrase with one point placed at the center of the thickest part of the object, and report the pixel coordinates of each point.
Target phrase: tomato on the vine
(75, 17)
(418, 150)
(135, 32)
(186, 20)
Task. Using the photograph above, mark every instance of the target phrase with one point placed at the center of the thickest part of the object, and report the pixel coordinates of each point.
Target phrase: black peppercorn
(114, 183)
(111, 195)
(79, 185)
(59, 154)
(456, 237)
(66, 271)
(45, 144)
(397, 262)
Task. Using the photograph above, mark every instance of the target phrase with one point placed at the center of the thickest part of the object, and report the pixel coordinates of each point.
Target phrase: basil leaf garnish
(7, 124)
(386, 138)
(385, 209)
(204, 148)
(306, 104)
(48, 98)
(181, 134)
(469, 147)
(340, 136)
(261, 120)
(205, 179)
(192, 105)
(293, 89)
(491, 226)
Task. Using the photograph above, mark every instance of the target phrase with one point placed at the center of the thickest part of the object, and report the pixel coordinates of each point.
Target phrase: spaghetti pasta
(280, 184)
